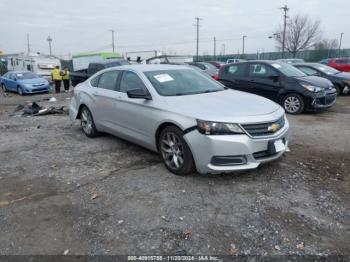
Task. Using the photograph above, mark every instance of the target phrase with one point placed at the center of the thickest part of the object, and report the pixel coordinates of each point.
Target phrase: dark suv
(280, 82)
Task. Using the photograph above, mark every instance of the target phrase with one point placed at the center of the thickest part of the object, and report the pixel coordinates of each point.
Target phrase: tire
(87, 123)
(3, 87)
(293, 104)
(338, 89)
(174, 151)
(20, 91)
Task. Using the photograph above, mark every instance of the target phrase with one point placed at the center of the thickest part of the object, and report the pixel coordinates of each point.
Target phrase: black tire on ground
(293, 104)
(20, 91)
(338, 89)
(174, 151)
(87, 123)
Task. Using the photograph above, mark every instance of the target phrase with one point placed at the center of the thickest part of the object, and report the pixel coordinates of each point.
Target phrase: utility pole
(243, 38)
(112, 40)
(197, 26)
(49, 39)
(341, 39)
(285, 10)
(214, 47)
(28, 45)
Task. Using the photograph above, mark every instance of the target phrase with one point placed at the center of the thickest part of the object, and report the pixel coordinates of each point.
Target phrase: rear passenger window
(236, 70)
(108, 80)
(260, 70)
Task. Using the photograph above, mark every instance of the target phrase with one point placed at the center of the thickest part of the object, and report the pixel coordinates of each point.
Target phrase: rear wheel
(175, 152)
(87, 123)
(293, 104)
(20, 91)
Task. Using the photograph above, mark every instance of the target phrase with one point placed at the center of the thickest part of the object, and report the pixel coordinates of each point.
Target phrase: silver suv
(193, 121)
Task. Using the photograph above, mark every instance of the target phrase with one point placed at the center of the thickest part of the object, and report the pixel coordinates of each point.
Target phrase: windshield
(26, 75)
(288, 70)
(327, 69)
(182, 82)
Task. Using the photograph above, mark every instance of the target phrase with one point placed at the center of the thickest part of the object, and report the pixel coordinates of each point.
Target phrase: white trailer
(39, 64)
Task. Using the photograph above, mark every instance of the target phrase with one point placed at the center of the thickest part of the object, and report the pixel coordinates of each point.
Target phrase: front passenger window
(260, 70)
(131, 81)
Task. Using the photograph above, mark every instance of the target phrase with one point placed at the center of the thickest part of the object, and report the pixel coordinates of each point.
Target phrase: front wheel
(293, 104)
(20, 91)
(87, 123)
(175, 152)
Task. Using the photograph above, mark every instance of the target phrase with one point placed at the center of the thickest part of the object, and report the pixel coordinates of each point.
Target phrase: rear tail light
(216, 77)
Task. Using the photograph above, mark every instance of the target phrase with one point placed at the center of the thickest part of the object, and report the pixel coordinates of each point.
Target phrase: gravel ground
(63, 192)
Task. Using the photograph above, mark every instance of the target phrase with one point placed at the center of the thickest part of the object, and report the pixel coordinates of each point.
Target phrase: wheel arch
(80, 108)
(161, 127)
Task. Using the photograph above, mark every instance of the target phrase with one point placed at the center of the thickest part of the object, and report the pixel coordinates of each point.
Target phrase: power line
(49, 39)
(112, 40)
(285, 10)
(197, 25)
(243, 39)
(341, 38)
(214, 47)
(28, 44)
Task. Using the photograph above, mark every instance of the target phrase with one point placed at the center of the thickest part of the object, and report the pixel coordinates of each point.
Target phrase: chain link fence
(307, 55)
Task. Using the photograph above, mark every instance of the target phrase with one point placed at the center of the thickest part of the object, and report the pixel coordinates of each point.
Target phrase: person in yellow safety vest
(57, 78)
(66, 78)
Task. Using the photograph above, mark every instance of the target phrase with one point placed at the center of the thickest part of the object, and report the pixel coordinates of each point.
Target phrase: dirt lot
(60, 190)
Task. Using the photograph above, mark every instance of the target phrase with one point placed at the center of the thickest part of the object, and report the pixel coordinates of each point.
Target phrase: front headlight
(216, 128)
(312, 88)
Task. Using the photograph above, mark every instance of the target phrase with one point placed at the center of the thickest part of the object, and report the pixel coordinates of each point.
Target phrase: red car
(341, 64)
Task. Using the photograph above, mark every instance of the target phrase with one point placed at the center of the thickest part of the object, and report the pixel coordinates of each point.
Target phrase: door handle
(251, 81)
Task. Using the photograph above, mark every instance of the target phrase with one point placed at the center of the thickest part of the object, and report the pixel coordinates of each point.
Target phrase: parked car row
(280, 82)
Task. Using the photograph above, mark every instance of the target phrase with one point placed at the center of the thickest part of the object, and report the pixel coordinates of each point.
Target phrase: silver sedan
(194, 122)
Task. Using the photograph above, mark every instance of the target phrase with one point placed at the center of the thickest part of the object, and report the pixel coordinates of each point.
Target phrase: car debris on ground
(34, 109)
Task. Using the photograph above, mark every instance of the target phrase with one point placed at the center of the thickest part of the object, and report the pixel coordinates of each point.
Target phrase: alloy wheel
(172, 151)
(20, 91)
(292, 104)
(86, 121)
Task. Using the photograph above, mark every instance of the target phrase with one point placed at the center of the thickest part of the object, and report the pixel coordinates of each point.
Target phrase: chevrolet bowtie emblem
(273, 128)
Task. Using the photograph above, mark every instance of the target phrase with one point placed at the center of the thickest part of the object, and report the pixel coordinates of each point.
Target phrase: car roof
(306, 64)
(110, 61)
(150, 67)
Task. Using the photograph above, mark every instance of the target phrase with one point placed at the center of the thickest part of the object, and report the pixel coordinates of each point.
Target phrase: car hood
(315, 81)
(343, 76)
(32, 81)
(225, 106)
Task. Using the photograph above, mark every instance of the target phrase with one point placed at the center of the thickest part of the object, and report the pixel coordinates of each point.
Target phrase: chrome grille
(264, 129)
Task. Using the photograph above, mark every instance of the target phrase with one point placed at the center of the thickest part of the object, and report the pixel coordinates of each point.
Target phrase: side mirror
(275, 78)
(15, 79)
(138, 93)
